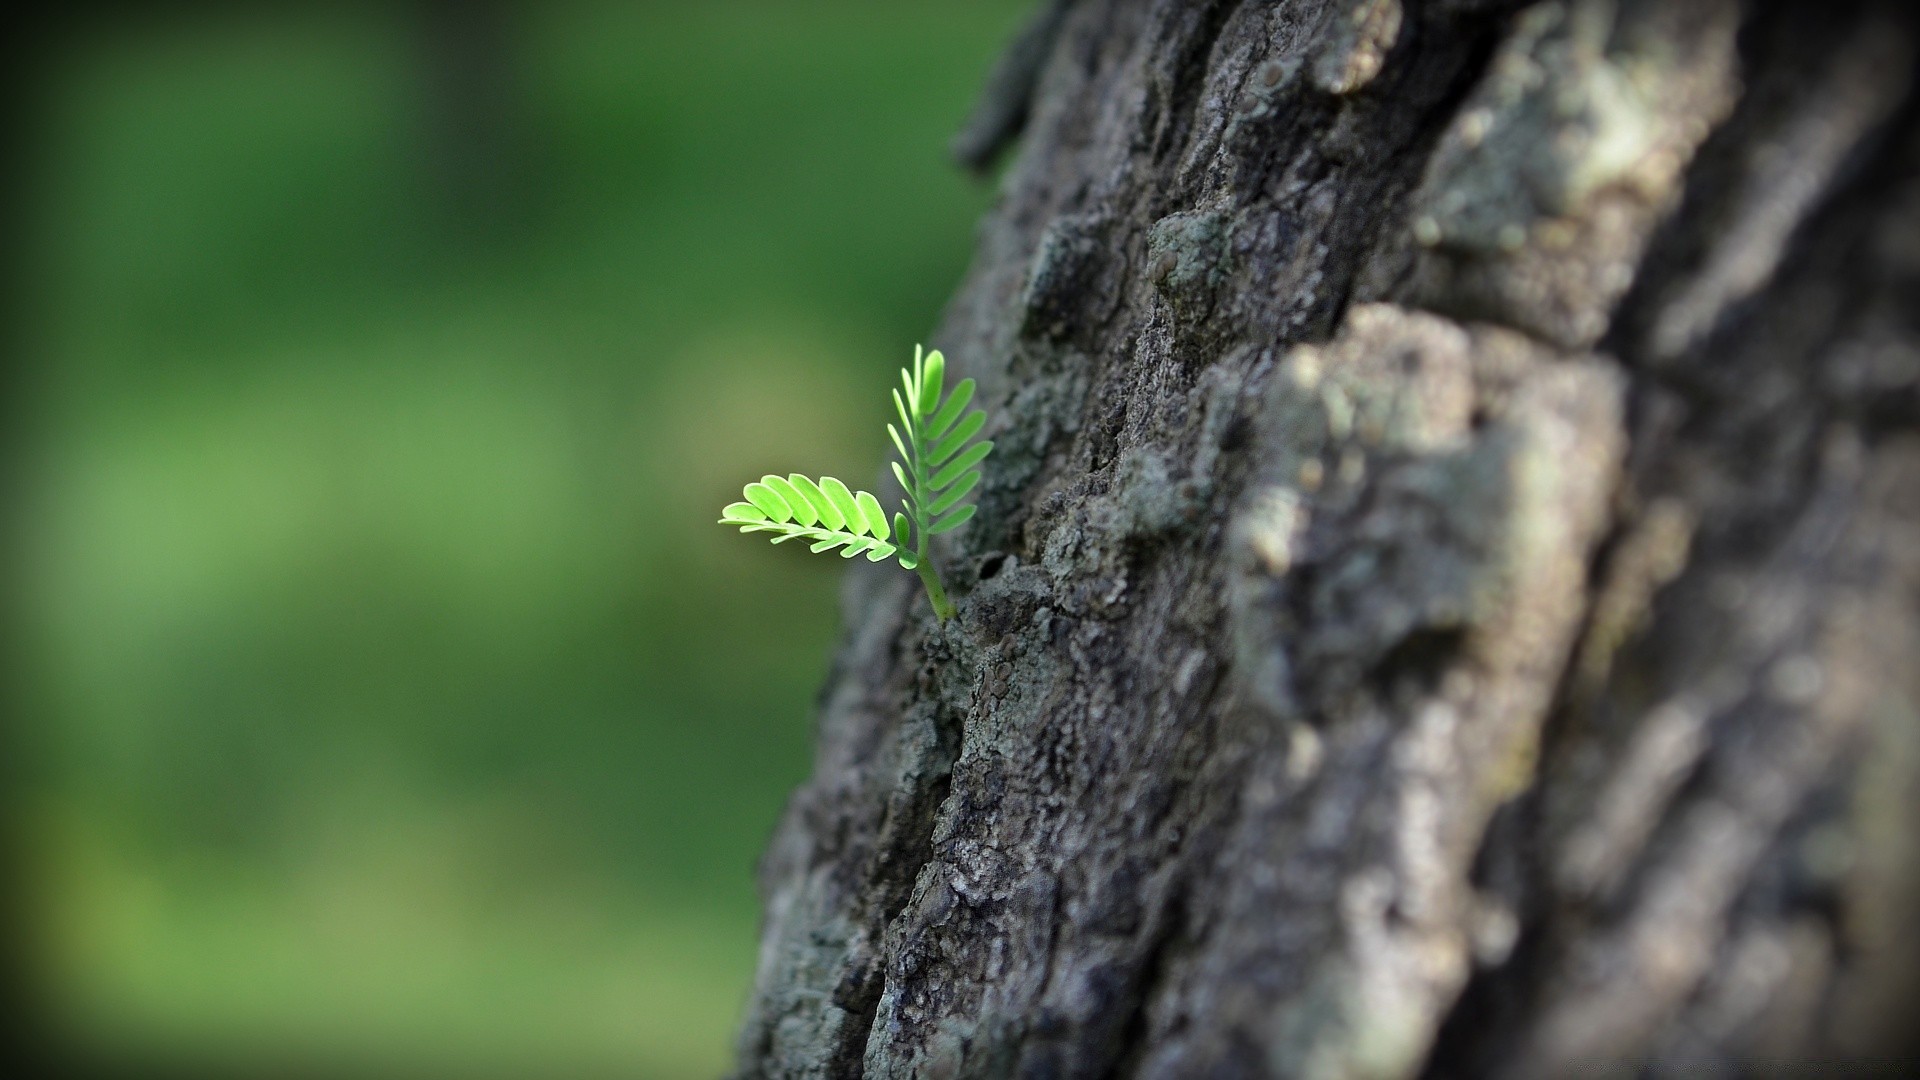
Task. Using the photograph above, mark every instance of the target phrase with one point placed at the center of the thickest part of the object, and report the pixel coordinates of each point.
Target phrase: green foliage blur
(397, 707)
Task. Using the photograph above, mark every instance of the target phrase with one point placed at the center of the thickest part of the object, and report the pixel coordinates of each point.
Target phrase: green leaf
(956, 404)
(828, 513)
(906, 418)
(966, 429)
(953, 520)
(802, 509)
(932, 379)
(933, 434)
(843, 501)
(954, 494)
(850, 516)
(876, 518)
(968, 458)
(769, 501)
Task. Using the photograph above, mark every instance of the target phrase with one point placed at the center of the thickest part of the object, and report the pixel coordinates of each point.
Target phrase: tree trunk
(1446, 595)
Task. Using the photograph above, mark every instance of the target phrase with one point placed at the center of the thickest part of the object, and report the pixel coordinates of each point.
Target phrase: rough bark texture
(1446, 599)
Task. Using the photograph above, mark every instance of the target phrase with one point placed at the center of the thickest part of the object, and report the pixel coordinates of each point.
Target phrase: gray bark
(1446, 596)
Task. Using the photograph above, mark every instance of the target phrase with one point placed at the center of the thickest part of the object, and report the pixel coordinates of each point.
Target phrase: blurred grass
(399, 704)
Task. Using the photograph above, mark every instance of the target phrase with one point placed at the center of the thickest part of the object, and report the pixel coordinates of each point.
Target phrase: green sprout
(937, 468)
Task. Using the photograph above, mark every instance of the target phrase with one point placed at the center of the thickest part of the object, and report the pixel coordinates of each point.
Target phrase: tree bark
(1446, 595)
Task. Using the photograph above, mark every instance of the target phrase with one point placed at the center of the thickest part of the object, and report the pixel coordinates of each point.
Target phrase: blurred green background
(395, 703)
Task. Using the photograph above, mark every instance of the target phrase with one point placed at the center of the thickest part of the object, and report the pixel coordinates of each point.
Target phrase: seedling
(938, 467)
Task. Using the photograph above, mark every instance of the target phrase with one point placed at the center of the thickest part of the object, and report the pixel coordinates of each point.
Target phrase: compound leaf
(936, 470)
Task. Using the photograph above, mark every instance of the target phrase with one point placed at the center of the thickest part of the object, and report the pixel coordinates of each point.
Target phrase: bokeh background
(393, 703)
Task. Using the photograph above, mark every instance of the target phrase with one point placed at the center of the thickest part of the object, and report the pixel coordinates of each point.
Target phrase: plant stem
(942, 607)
